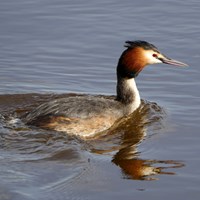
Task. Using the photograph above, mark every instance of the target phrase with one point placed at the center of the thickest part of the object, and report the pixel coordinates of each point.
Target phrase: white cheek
(151, 59)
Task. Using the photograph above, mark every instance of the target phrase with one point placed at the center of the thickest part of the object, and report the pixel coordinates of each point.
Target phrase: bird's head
(139, 54)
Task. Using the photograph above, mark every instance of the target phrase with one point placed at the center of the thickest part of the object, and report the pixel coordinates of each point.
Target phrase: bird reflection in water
(123, 139)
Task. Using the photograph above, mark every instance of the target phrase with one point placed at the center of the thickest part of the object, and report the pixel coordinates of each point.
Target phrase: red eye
(155, 55)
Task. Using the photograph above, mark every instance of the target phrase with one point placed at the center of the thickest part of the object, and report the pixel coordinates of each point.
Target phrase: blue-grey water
(49, 48)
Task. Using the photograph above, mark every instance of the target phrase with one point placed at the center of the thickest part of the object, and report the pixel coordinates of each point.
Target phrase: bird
(90, 115)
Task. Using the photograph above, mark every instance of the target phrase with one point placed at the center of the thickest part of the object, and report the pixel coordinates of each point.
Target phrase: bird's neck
(130, 64)
(127, 92)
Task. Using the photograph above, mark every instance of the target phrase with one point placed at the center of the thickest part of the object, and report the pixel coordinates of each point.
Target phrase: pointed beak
(170, 61)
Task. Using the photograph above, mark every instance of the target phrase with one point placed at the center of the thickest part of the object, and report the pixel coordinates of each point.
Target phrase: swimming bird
(87, 116)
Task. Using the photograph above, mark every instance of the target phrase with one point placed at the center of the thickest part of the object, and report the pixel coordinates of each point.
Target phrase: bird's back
(81, 115)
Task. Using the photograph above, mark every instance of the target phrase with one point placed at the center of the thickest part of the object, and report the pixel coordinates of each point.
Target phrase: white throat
(128, 94)
(131, 85)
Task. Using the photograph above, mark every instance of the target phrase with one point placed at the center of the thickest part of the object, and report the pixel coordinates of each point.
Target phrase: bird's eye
(155, 55)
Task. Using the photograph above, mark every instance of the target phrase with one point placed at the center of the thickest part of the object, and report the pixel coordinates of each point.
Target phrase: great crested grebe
(87, 116)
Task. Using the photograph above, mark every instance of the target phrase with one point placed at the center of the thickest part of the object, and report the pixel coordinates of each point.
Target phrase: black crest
(138, 43)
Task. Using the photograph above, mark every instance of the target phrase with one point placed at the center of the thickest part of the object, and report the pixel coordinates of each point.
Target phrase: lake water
(50, 48)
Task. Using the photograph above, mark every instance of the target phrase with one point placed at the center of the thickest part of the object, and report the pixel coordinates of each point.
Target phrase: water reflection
(141, 169)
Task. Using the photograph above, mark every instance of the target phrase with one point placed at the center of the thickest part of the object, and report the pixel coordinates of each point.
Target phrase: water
(51, 48)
